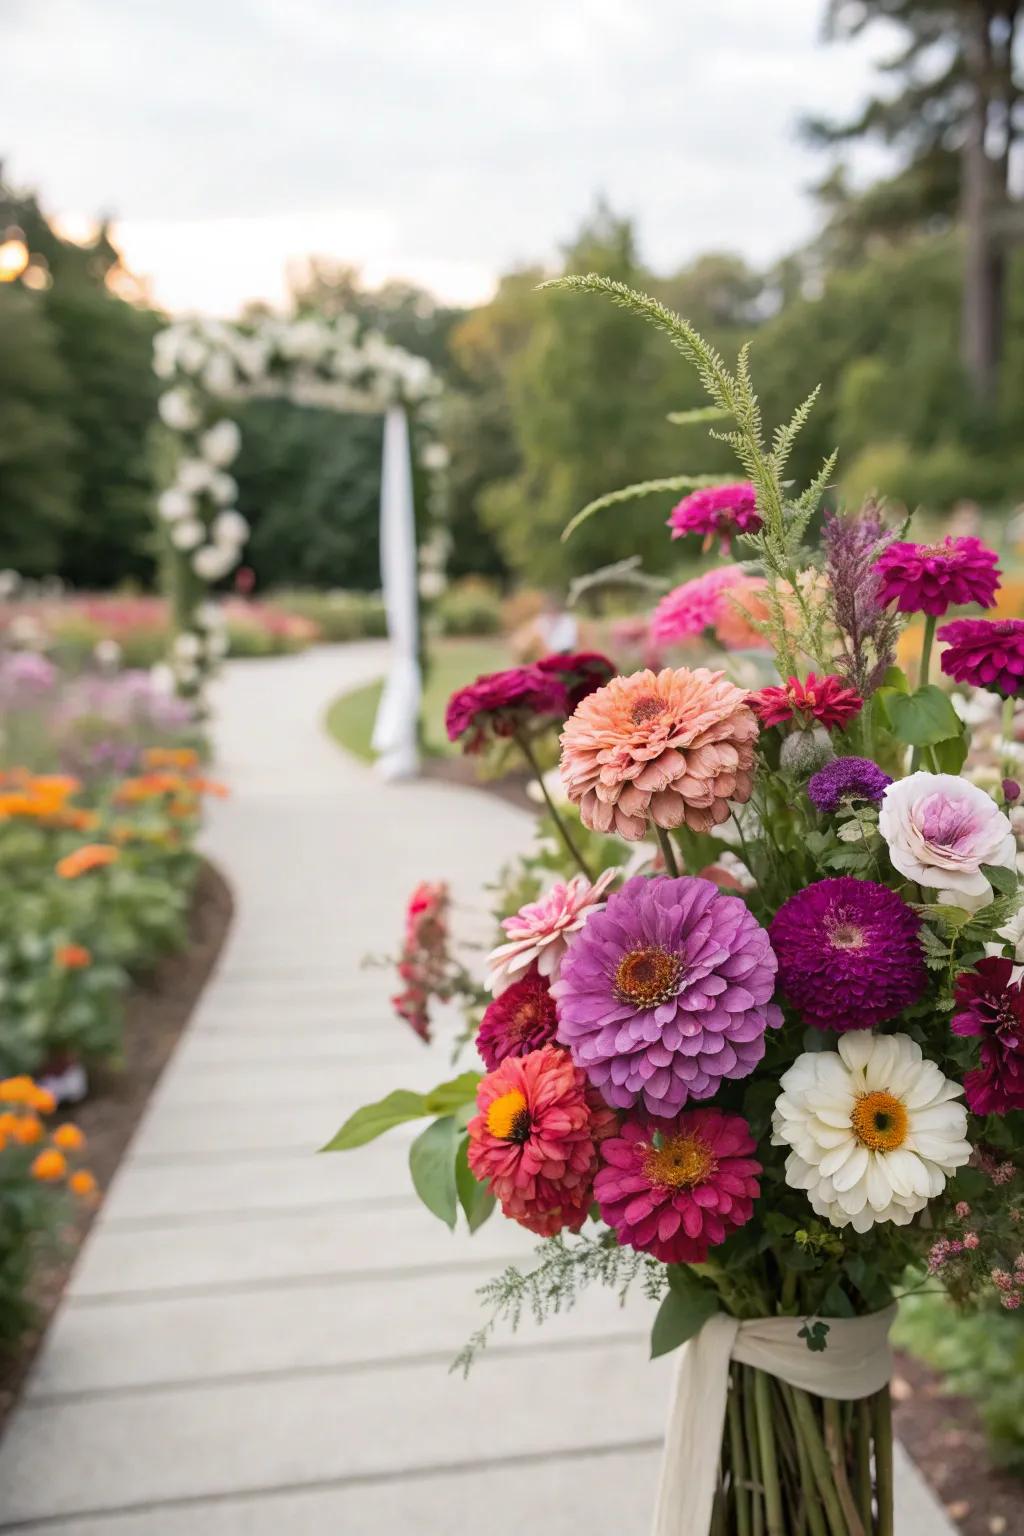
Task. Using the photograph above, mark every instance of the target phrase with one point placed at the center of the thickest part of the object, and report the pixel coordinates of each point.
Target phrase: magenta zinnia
(534, 1141)
(579, 672)
(931, 578)
(985, 653)
(666, 992)
(521, 1020)
(849, 953)
(718, 511)
(990, 1005)
(676, 1189)
(502, 703)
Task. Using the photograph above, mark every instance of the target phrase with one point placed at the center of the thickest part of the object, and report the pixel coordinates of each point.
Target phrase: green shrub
(337, 614)
(471, 606)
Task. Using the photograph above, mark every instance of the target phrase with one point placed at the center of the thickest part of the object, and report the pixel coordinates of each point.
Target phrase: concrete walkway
(255, 1341)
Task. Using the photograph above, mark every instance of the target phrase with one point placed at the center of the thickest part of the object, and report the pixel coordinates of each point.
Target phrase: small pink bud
(971, 1240)
(1011, 791)
(1011, 1303)
(963, 1210)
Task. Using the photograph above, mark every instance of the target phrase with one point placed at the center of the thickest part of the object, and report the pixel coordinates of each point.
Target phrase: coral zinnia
(985, 653)
(991, 1005)
(674, 746)
(666, 992)
(849, 953)
(540, 931)
(694, 607)
(677, 1189)
(718, 511)
(579, 672)
(826, 700)
(521, 1020)
(930, 578)
(873, 1130)
(501, 703)
(845, 779)
(534, 1141)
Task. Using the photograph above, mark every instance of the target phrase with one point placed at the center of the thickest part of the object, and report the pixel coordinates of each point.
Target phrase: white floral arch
(207, 364)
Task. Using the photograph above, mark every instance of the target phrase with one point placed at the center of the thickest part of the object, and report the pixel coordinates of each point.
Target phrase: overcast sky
(439, 140)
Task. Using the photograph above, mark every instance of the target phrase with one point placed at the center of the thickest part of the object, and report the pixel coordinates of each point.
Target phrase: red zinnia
(500, 703)
(521, 1019)
(826, 700)
(991, 1005)
(580, 673)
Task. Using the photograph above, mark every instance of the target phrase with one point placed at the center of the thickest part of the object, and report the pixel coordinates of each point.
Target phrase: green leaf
(447, 1097)
(815, 1336)
(476, 1199)
(673, 483)
(923, 718)
(681, 1317)
(372, 1120)
(1000, 878)
(432, 1165)
(950, 755)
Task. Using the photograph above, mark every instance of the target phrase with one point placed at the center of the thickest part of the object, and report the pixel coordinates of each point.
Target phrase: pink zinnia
(540, 932)
(930, 578)
(534, 1142)
(718, 511)
(985, 653)
(521, 1020)
(677, 1189)
(502, 703)
(826, 700)
(694, 607)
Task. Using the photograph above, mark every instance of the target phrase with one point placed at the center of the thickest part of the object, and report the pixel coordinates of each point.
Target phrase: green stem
(526, 748)
(925, 667)
(738, 1453)
(769, 1465)
(807, 1425)
(812, 1503)
(668, 852)
(864, 1489)
(881, 1405)
(750, 1421)
(1009, 709)
(836, 1442)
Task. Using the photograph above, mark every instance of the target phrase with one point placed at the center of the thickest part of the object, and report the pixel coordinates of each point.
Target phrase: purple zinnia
(990, 1004)
(519, 1020)
(665, 993)
(501, 703)
(985, 653)
(930, 578)
(846, 778)
(849, 953)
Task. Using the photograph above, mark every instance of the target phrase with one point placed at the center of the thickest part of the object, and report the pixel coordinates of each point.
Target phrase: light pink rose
(940, 831)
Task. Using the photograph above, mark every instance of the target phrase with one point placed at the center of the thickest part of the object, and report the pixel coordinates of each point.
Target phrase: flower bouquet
(754, 1035)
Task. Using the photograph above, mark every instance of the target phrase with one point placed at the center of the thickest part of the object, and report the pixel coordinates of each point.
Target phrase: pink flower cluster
(423, 962)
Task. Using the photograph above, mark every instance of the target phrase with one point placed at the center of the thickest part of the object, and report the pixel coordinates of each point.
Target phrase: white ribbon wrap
(855, 1363)
(394, 730)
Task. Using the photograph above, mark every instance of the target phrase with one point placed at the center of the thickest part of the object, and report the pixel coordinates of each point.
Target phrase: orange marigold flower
(49, 1166)
(42, 1100)
(184, 758)
(73, 957)
(82, 1183)
(670, 747)
(17, 1090)
(68, 1137)
(27, 1129)
(81, 860)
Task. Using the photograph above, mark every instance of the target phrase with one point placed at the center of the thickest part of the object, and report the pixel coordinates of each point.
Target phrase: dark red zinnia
(826, 700)
(580, 672)
(991, 1005)
(519, 1020)
(500, 703)
(931, 578)
(985, 653)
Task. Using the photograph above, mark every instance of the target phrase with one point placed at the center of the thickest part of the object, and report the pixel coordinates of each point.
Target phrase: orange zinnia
(68, 1137)
(184, 758)
(73, 957)
(28, 1129)
(82, 1183)
(17, 1090)
(81, 860)
(49, 1166)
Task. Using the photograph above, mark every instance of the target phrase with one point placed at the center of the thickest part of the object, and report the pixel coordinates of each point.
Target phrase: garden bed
(157, 1010)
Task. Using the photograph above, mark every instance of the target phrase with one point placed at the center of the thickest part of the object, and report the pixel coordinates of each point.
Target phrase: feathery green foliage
(635, 492)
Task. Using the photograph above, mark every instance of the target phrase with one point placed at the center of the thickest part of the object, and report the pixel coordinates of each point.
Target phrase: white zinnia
(188, 533)
(220, 444)
(178, 410)
(873, 1127)
(174, 503)
(940, 830)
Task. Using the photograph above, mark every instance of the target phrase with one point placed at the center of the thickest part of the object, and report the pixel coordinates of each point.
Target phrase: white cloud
(441, 140)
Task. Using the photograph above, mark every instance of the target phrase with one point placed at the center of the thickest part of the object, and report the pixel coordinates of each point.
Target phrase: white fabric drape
(856, 1362)
(394, 730)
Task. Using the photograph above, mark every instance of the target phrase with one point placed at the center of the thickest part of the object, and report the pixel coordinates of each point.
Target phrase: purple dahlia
(930, 578)
(846, 778)
(985, 653)
(665, 993)
(849, 953)
(990, 1004)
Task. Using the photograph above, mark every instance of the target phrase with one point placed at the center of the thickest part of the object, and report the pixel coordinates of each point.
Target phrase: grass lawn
(452, 663)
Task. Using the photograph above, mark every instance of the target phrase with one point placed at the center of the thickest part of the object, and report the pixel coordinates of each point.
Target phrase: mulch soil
(156, 1011)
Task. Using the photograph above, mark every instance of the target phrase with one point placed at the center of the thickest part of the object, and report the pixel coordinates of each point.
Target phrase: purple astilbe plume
(867, 631)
